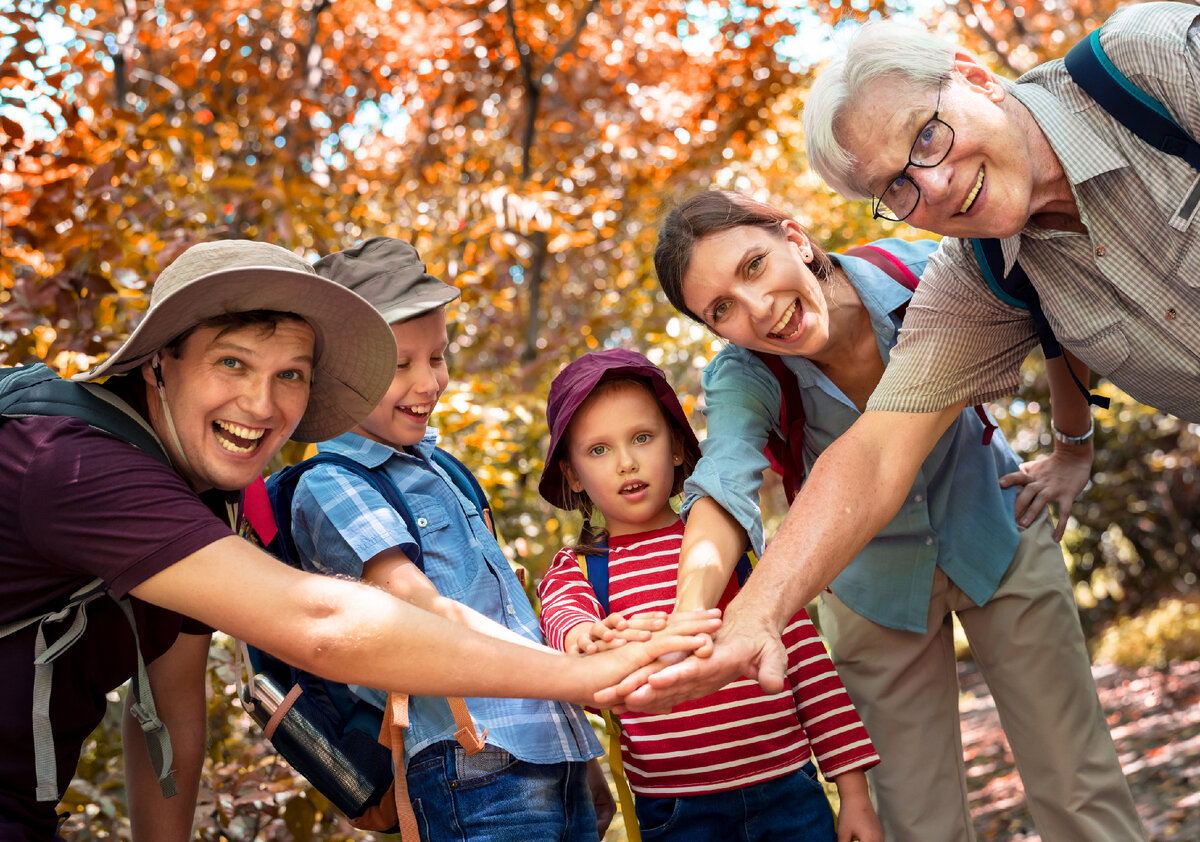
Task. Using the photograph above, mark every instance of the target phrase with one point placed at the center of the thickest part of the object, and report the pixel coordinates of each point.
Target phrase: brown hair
(268, 320)
(709, 213)
(591, 536)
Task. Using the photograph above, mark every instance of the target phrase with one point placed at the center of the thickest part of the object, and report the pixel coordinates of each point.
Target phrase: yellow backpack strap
(612, 725)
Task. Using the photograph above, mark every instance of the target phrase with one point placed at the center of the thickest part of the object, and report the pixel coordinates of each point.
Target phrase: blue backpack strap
(1132, 107)
(38, 390)
(465, 482)
(281, 488)
(595, 568)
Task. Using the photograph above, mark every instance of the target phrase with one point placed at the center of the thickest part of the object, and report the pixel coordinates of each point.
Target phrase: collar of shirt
(372, 454)
(1082, 152)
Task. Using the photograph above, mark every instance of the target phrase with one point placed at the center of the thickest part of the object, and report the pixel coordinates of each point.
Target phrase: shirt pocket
(446, 554)
(1103, 352)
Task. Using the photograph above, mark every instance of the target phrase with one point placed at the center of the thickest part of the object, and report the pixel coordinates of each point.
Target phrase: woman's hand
(1058, 478)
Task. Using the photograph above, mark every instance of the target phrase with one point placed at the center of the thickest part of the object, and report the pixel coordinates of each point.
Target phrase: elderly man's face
(983, 187)
(235, 398)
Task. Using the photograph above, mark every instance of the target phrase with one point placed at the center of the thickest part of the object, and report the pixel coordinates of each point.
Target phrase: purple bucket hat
(576, 382)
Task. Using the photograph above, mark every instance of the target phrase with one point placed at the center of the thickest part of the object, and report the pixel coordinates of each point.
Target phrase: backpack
(347, 748)
(785, 453)
(595, 570)
(1138, 112)
(37, 390)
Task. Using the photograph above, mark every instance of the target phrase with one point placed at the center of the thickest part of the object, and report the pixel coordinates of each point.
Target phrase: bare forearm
(712, 544)
(178, 682)
(856, 486)
(1070, 409)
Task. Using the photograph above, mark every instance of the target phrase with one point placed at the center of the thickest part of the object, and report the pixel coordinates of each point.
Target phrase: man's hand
(1058, 478)
(743, 646)
(613, 631)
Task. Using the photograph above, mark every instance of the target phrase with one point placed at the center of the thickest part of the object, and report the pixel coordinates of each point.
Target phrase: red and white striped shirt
(735, 737)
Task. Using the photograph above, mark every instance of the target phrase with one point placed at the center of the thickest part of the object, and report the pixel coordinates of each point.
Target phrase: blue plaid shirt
(339, 523)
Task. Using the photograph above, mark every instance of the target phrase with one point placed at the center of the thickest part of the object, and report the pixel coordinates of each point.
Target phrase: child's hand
(857, 821)
(617, 630)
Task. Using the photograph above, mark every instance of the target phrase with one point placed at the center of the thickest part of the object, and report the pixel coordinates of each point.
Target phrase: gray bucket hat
(355, 352)
(388, 273)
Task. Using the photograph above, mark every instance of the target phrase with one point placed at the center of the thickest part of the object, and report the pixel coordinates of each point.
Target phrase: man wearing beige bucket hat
(242, 347)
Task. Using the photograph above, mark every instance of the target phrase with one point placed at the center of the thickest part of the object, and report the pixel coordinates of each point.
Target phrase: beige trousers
(1029, 646)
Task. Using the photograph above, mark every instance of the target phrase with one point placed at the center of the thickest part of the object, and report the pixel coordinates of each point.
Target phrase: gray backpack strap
(158, 741)
(45, 765)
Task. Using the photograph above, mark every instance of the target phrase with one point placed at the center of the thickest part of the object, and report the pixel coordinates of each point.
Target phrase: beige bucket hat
(355, 350)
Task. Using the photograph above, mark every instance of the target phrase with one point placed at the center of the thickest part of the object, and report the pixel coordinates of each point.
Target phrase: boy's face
(401, 417)
(621, 452)
(235, 398)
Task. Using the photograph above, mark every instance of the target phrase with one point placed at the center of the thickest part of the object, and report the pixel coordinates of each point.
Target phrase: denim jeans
(792, 808)
(494, 797)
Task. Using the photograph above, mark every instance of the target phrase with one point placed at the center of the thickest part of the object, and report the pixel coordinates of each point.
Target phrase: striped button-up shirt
(1123, 297)
(340, 522)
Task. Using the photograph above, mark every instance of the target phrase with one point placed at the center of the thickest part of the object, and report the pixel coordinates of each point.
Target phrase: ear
(794, 234)
(676, 449)
(976, 77)
(572, 478)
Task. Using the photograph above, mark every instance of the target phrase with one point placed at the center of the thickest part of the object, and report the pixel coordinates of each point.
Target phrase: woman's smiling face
(754, 287)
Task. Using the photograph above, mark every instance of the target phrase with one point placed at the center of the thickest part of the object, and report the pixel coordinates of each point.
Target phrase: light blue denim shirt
(956, 516)
(339, 522)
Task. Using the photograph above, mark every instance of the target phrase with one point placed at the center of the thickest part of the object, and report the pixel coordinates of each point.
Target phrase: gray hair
(882, 49)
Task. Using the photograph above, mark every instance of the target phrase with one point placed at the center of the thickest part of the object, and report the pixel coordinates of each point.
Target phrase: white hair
(882, 49)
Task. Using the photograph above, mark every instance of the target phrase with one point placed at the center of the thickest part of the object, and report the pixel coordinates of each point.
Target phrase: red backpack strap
(892, 266)
(786, 453)
(887, 263)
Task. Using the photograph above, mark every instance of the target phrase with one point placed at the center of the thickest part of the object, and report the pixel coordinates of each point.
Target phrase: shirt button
(422, 522)
(1099, 251)
(1171, 313)
(929, 541)
(917, 498)
(510, 609)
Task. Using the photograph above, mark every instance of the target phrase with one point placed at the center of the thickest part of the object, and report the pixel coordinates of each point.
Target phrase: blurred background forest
(527, 148)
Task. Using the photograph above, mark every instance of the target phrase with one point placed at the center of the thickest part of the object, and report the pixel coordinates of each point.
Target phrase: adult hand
(745, 645)
(1058, 478)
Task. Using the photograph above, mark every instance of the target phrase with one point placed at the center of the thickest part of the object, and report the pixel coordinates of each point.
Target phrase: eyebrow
(914, 122)
(225, 346)
(738, 271)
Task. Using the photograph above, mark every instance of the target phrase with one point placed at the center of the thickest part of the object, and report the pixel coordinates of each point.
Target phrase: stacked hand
(616, 630)
(742, 646)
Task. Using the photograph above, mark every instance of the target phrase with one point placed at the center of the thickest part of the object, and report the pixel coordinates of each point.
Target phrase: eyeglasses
(930, 148)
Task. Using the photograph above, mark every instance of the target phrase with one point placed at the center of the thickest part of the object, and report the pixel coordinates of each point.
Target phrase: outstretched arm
(1061, 476)
(856, 486)
(712, 544)
(355, 633)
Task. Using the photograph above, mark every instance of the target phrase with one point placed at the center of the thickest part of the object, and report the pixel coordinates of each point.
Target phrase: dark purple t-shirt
(77, 503)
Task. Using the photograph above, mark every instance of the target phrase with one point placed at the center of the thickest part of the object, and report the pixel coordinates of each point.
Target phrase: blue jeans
(793, 807)
(494, 797)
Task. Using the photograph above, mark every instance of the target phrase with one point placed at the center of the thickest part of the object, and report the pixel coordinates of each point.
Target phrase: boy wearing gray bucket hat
(342, 525)
(242, 346)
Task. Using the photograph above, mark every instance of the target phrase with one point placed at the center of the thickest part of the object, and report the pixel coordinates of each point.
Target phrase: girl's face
(622, 454)
(754, 288)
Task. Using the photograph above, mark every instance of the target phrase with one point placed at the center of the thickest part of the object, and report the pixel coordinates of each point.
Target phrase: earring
(678, 460)
(806, 256)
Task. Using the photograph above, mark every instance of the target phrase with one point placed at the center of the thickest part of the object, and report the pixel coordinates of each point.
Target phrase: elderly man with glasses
(1103, 225)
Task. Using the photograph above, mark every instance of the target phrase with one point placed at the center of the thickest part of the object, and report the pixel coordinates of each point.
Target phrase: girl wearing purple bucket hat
(736, 763)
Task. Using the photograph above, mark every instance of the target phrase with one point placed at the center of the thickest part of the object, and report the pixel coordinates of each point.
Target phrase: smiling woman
(756, 279)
